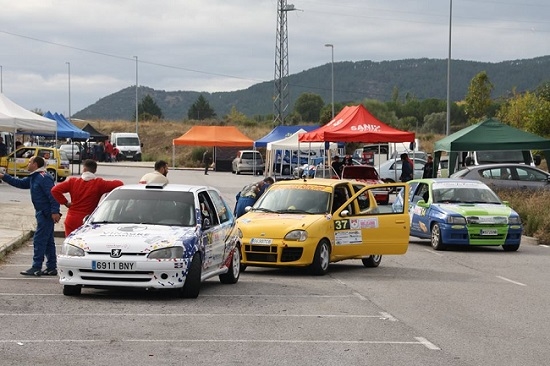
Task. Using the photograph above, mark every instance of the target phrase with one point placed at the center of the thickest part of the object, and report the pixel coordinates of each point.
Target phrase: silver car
(73, 151)
(390, 170)
(249, 161)
(515, 176)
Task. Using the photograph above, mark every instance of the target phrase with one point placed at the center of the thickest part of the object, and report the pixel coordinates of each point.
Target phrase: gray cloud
(217, 45)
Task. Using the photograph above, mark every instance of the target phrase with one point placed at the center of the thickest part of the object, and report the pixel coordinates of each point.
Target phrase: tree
(148, 109)
(478, 98)
(308, 106)
(200, 110)
(529, 112)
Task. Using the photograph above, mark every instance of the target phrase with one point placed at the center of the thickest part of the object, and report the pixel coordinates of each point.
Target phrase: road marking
(427, 343)
(544, 245)
(420, 341)
(511, 281)
(361, 297)
(433, 252)
(388, 316)
(196, 315)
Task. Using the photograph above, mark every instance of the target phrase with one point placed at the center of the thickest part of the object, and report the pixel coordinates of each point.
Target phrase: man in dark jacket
(428, 168)
(406, 168)
(47, 215)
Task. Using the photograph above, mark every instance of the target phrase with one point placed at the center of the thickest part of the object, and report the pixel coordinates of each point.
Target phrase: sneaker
(31, 272)
(49, 272)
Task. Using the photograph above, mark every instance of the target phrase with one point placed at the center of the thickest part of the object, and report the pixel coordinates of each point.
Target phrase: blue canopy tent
(66, 129)
(280, 132)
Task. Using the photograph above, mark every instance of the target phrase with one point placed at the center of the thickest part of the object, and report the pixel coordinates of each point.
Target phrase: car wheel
(192, 285)
(510, 247)
(437, 242)
(52, 174)
(321, 260)
(234, 270)
(372, 261)
(72, 290)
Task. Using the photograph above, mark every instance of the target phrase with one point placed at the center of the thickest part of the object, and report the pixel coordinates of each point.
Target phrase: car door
(420, 201)
(529, 178)
(19, 164)
(212, 234)
(227, 221)
(362, 228)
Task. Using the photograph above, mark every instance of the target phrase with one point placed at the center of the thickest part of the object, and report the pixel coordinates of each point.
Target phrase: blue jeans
(242, 203)
(43, 242)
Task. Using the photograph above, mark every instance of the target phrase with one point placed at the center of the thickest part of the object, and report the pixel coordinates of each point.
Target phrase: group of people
(101, 151)
(407, 168)
(338, 165)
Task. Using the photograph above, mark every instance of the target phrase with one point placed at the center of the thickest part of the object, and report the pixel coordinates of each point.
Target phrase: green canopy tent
(489, 135)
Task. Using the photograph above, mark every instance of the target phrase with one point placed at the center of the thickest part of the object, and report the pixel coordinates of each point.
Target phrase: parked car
(390, 171)
(57, 162)
(515, 176)
(454, 212)
(153, 237)
(73, 151)
(248, 161)
(314, 222)
(367, 174)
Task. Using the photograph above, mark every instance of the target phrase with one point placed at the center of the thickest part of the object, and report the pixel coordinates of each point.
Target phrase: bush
(534, 209)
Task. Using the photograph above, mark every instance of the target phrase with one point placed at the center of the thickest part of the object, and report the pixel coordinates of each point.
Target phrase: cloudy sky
(224, 45)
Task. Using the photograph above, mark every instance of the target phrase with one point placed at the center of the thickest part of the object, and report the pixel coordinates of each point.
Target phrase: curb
(16, 243)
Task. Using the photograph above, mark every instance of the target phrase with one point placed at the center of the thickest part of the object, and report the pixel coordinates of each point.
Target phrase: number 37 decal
(341, 225)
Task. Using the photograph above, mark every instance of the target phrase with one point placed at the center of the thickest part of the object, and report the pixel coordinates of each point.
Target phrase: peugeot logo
(116, 253)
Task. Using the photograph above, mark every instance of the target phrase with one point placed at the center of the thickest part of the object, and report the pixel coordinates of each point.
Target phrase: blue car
(453, 212)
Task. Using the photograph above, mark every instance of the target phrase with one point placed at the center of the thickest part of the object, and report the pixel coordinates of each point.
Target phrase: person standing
(250, 194)
(428, 171)
(158, 176)
(3, 147)
(85, 193)
(47, 215)
(337, 166)
(206, 160)
(406, 168)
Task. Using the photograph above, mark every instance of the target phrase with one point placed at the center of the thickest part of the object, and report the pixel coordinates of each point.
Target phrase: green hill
(353, 81)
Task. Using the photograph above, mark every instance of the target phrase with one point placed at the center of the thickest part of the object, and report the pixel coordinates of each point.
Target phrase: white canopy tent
(15, 118)
(292, 144)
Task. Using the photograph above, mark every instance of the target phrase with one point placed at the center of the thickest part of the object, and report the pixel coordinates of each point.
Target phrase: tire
(192, 285)
(321, 259)
(72, 290)
(52, 174)
(372, 261)
(510, 247)
(437, 241)
(243, 267)
(234, 270)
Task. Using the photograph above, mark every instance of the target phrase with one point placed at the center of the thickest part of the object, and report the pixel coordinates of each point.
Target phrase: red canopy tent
(356, 124)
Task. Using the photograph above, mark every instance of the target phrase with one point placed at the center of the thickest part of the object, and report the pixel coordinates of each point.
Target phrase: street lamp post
(332, 75)
(69, 83)
(448, 126)
(136, 93)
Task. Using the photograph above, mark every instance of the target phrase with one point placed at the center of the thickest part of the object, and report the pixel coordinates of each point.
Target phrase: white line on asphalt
(361, 297)
(427, 343)
(511, 281)
(421, 341)
(544, 245)
(433, 252)
(193, 315)
(388, 316)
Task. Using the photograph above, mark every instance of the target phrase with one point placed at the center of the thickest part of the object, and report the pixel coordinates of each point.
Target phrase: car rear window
(250, 155)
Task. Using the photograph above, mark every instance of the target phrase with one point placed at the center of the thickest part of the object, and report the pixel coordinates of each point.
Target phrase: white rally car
(153, 237)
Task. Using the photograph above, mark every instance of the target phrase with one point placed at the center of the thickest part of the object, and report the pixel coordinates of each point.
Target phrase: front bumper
(280, 253)
(145, 273)
(471, 234)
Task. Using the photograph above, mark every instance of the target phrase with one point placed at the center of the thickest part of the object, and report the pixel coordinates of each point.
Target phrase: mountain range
(353, 81)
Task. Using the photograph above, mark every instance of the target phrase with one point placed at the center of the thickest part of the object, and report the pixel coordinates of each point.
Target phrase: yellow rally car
(314, 222)
(57, 162)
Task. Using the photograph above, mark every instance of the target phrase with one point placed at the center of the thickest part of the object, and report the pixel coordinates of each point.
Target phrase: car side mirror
(344, 213)
(422, 203)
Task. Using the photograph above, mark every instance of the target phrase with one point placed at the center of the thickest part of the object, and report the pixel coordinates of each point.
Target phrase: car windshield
(146, 207)
(505, 156)
(128, 141)
(467, 194)
(303, 199)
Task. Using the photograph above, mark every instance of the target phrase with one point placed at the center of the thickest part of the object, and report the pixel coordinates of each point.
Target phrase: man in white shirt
(158, 176)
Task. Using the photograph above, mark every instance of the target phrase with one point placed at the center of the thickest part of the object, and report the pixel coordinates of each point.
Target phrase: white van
(128, 145)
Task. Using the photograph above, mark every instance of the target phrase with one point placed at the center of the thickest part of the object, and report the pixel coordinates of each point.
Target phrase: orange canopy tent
(356, 124)
(219, 136)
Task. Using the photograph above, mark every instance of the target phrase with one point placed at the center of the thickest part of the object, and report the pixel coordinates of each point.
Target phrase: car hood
(468, 209)
(131, 237)
(278, 225)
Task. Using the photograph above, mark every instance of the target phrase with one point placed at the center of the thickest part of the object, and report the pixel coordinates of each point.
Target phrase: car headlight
(457, 220)
(514, 220)
(166, 253)
(71, 250)
(296, 235)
